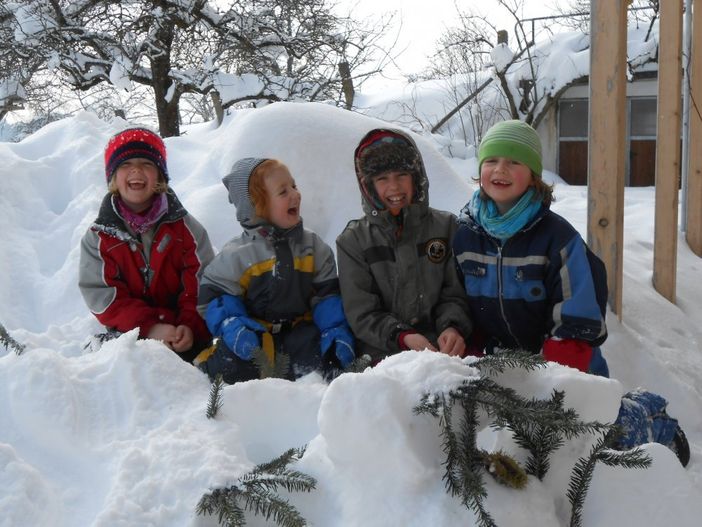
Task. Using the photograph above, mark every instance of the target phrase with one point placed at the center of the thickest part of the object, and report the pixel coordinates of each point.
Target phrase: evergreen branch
(499, 362)
(635, 458)
(215, 401)
(275, 368)
(584, 469)
(269, 505)
(224, 503)
(10, 343)
(473, 488)
(256, 490)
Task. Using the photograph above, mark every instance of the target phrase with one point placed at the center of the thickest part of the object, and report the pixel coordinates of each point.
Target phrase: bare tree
(175, 47)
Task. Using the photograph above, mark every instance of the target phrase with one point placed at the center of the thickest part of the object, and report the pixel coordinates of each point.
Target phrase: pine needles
(585, 468)
(10, 343)
(540, 427)
(256, 492)
(215, 400)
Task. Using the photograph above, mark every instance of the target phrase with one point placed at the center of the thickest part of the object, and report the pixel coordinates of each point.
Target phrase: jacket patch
(436, 250)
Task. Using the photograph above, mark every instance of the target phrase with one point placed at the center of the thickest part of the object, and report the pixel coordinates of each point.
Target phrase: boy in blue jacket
(532, 282)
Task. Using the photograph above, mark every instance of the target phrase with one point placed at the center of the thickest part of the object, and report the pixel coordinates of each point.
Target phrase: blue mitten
(343, 342)
(329, 317)
(239, 334)
(226, 318)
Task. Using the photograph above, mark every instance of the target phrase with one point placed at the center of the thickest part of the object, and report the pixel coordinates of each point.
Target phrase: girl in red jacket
(141, 259)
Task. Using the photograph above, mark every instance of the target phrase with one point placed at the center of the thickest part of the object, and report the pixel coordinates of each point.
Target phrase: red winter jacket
(124, 289)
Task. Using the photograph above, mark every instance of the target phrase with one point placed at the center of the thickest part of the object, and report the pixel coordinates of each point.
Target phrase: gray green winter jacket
(392, 284)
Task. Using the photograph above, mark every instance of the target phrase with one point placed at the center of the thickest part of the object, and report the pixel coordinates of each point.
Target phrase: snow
(120, 436)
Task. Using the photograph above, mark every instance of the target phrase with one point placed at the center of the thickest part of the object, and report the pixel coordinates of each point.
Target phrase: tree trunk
(167, 110)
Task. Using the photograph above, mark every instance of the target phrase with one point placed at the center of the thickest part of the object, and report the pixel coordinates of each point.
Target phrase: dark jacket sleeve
(369, 319)
(575, 311)
(452, 309)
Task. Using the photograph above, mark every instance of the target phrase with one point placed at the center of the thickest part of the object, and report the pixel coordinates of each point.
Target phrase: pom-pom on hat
(513, 139)
(132, 143)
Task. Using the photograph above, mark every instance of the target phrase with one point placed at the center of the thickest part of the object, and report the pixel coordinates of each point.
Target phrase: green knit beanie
(515, 140)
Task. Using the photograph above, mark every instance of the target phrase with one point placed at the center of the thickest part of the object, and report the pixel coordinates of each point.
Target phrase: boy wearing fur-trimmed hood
(274, 287)
(399, 282)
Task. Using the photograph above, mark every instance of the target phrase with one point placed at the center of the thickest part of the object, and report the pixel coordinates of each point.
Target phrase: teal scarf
(505, 226)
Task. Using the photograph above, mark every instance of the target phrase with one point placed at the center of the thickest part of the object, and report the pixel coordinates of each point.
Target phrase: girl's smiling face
(283, 198)
(136, 181)
(505, 181)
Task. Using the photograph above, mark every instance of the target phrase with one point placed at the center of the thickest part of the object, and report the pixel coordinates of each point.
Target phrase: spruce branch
(10, 343)
(215, 400)
(256, 492)
(499, 362)
(581, 477)
(275, 368)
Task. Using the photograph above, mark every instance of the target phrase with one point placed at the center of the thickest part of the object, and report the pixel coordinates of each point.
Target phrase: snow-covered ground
(120, 436)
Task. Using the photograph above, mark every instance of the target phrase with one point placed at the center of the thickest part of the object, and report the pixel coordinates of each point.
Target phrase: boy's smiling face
(136, 181)
(395, 189)
(504, 180)
(283, 198)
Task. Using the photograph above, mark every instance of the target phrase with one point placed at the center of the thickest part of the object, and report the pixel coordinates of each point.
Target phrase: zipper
(500, 289)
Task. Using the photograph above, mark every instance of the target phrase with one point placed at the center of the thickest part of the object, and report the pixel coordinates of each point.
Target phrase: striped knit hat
(132, 143)
(237, 183)
(515, 140)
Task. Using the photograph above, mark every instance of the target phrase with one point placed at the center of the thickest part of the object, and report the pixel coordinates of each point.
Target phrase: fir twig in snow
(215, 401)
(538, 426)
(542, 438)
(10, 343)
(499, 362)
(256, 492)
(585, 468)
(276, 367)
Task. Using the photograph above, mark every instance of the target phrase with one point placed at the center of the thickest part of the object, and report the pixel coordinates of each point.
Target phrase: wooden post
(665, 243)
(607, 140)
(694, 167)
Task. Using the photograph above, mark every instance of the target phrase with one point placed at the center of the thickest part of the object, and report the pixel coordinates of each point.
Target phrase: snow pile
(120, 436)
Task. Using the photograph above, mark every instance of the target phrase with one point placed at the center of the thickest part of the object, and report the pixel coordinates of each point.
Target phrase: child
(274, 287)
(399, 282)
(532, 282)
(526, 270)
(141, 259)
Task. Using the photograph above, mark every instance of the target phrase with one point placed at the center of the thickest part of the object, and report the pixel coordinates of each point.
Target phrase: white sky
(423, 22)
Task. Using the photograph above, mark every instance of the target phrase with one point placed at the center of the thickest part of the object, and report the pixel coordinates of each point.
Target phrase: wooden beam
(665, 243)
(694, 166)
(607, 140)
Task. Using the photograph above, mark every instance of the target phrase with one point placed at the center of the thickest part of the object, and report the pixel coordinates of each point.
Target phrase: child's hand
(451, 342)
(166, 333)
(418, 342)
(183, 339)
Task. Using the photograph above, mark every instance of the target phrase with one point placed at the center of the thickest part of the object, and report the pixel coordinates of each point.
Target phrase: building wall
(641, 148)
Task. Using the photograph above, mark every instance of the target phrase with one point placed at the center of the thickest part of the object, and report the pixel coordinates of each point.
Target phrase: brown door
(642, 163)
(572, 162)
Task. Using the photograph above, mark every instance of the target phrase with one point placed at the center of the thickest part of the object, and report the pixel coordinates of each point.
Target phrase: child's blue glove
(239, 334)
(343, 342)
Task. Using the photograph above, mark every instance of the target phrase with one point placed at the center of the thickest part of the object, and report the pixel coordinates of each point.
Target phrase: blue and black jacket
(537, 284)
